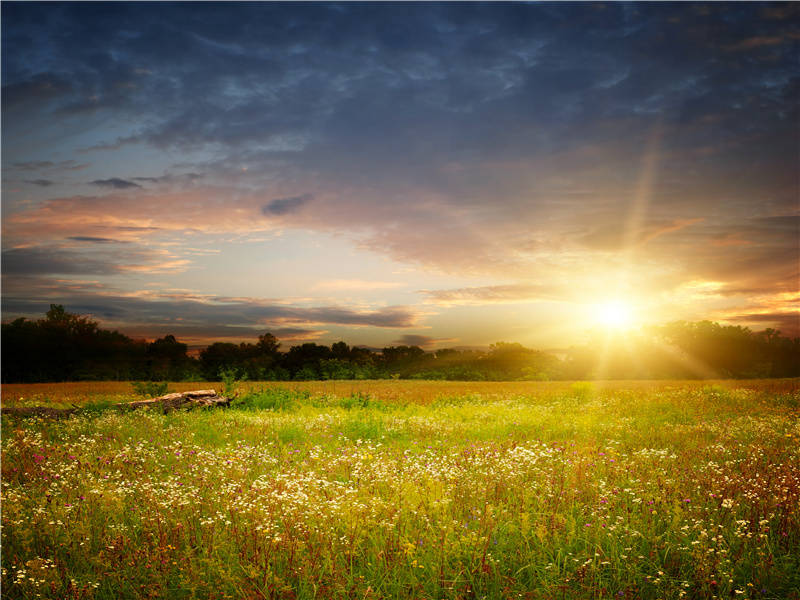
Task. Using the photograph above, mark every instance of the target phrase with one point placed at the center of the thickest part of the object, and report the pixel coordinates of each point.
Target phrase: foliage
(64, 346)
(230, 379)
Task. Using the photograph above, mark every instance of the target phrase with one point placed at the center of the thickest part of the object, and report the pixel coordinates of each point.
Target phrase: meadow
(397, 489)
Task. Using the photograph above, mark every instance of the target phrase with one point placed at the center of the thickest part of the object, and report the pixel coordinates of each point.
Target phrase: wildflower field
(408, 490)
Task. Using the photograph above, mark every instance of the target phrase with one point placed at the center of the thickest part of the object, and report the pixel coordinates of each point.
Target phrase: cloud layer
(533, 147)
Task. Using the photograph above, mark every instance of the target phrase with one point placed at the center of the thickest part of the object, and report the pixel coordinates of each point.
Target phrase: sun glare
(614, 314)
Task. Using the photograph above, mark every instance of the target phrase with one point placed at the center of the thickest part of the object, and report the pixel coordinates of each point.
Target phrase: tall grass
(472, 491)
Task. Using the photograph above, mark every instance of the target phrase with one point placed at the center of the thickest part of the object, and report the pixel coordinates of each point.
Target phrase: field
(408, 490)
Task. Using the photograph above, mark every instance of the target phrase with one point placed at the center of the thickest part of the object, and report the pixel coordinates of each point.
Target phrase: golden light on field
(614, 314)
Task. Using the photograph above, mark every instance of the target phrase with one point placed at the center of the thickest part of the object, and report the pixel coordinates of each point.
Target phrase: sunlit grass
(414, 490)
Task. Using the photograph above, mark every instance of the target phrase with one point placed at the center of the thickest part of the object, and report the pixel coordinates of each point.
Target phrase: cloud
(356, 285)
(164, 266)
(763, 255)
(40, 182)
(470, 139)
(116, 183)
(758, 41)
(40, 261)
(615, 237)
(34, 91)
(788, 323)
(423, 341)
(778, 310)
(57, 260)
(48, 165)
(171, 178)
(35, 165)
(161, 312)
(202, 335)
(493, 294)
(125, 216)
(285, 206)
(93, 240)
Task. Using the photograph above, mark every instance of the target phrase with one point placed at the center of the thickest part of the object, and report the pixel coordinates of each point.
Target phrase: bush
(229, 378)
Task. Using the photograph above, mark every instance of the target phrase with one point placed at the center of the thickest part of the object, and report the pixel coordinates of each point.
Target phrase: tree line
(68, 347)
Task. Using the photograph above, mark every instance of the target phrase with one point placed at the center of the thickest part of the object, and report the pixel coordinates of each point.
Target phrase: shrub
(229, 377)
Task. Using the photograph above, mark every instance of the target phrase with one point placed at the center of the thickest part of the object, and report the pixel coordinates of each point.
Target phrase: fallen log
(187, 400)
(168, 402)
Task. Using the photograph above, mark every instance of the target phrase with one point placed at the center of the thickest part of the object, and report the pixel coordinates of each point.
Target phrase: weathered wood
(202, 398)
(168, 402)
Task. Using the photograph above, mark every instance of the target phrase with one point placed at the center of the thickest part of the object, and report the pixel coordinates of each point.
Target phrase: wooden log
(188, 400)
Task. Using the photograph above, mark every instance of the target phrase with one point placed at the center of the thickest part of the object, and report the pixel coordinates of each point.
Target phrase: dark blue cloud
(51, 261)
(176, 313)
(116, 183)
(92, 239)
(400, 89)
(284, 206)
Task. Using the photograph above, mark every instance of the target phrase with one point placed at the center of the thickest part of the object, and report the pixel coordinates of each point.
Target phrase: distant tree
(23, 353)
(217, 357)
(336, 368)
(167, 359)
(515, 361)
(268, 344)
(340, 350)
(402, 361)
(306, 358)
(65, 346)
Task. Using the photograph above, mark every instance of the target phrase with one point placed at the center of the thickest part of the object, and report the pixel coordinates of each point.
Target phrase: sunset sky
(433, 174)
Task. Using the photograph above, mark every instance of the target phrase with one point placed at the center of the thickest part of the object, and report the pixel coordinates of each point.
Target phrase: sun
(614, 314)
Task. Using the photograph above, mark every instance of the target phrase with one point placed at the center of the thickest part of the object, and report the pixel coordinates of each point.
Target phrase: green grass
(581, 492)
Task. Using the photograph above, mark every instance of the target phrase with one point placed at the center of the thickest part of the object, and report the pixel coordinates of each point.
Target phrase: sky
(444, 175)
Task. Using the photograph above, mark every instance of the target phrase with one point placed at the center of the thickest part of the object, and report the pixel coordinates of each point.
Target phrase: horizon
(438, 175)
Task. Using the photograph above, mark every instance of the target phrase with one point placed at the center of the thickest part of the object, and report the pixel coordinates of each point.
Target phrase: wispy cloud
(92, 239)
(423, 341)
(48, 165)
(356, 285)
(55, 260)
(41, 261)
(493, 294)
(780, 311)
(614, 236)
(171, 178)
(169, 309)
(284, 206)
(116, 183)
